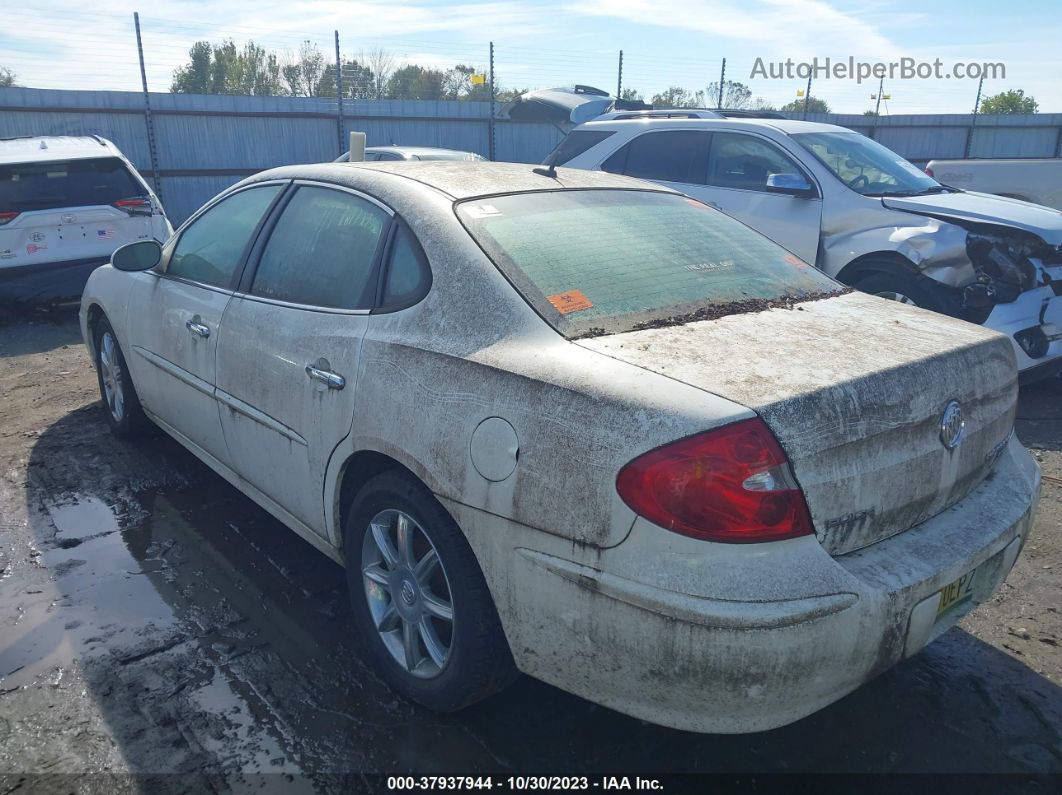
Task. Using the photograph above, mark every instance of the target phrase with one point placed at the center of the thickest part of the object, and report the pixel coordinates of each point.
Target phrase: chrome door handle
(326, 377)
(197, 328)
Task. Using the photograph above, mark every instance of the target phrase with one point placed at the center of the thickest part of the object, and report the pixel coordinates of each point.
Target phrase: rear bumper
(738, 638)
(47, 282)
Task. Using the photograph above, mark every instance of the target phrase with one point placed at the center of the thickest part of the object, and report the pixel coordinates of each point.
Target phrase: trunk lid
(854, 388)
(567, 105)
(73, 233)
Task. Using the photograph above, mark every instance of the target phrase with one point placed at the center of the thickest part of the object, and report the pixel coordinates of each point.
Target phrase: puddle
(88, 516)
(214, 640)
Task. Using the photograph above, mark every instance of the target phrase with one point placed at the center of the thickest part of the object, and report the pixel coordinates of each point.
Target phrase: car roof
(48, 148)
(788, 126)
(417, 150)
(458, 179)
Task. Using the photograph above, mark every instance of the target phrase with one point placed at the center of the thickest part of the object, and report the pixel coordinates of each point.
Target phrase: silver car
(390, 153)
(580, 426)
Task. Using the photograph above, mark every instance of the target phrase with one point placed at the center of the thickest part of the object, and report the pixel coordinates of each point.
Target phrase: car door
(176, 314)
(738, 166)
(288, 354)
(675, 158)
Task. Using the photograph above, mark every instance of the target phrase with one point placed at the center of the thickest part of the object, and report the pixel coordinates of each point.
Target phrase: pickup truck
(1036, 180)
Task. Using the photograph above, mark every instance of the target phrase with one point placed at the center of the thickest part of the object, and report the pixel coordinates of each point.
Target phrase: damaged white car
(580, 426)
(850, 206)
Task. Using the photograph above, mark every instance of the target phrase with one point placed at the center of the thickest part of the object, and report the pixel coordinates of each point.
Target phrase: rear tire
(422, 606)
(121, 406)
(908, 289)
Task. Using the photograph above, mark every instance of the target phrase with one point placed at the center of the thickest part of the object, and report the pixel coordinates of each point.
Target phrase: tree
(222, 69)
(509, 94)
(304, 71)
(678, 97)
(631, 94)
(358, 81)
(1007, 102)
(736, 96)
(381, 65)
(7, 77)
(870, 113)
(815, 105)
(457, 84)
(415, 82)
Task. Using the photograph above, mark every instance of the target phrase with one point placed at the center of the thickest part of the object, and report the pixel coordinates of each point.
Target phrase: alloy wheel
(408, 593)
(111, 376)
(894, 296)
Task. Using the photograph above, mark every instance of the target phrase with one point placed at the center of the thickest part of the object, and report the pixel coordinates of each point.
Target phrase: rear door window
(606, 261)
(25, 187)
(323, 251)
(664, 156)
(212, 247)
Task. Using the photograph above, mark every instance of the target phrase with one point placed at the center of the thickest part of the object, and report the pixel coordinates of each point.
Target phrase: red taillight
(7, 217)
(928, 170)
(137, 204)
(732, 484)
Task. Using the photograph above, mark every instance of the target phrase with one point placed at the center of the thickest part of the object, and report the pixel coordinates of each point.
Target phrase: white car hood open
(985, 208)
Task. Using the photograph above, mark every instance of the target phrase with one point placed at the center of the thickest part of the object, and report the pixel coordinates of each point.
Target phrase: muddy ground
(154, 620)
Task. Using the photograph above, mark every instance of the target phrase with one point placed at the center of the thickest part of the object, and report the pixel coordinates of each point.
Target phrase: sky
(60, 44)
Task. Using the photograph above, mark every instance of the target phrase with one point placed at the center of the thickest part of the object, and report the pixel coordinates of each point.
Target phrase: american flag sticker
(105, 234)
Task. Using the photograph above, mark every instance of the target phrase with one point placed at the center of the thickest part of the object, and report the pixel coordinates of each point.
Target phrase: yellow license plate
(956, 592)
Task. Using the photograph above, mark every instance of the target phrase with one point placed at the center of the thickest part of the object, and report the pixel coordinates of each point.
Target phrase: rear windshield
(606, 261)
(70, 183)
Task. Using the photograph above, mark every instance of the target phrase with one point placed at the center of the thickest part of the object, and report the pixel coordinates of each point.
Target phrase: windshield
(70, 183)
(866, 166)
(607, 261)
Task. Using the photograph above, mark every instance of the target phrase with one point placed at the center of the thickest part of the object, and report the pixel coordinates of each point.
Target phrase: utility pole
(881, 84)
(619, 77)
(149, 122)
(973, 118)
(807, 97)
(339, 96)
(722, 82)
(493, 95)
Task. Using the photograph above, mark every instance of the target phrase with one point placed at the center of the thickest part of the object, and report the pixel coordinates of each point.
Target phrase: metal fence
(204, 143)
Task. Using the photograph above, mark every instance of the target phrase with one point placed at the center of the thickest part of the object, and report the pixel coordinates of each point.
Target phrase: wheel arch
(877, 262)
(94, 313)
(352, 471)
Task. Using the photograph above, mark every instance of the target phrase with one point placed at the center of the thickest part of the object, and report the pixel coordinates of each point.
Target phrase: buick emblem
(408, 594)
(952, 425)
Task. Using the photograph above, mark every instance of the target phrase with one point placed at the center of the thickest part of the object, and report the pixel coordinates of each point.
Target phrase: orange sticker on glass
(795, 260)
(571, 301)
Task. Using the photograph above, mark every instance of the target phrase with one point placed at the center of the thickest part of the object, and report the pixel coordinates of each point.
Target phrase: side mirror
(139, 256)
(790, 184)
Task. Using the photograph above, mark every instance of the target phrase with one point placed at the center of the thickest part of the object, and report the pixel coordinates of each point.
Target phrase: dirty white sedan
(579, 426)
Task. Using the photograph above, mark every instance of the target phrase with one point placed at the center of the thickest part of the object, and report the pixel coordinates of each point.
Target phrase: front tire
(419, 598)
(120, 403)
(908, 289)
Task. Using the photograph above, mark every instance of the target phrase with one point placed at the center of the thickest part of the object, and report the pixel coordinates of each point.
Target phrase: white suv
(66, 203)
(856, 210)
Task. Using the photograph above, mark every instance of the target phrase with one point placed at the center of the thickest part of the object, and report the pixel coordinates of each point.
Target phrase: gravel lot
(154, 620)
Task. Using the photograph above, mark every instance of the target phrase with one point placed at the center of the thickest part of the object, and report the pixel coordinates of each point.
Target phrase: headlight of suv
(1004, 270)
